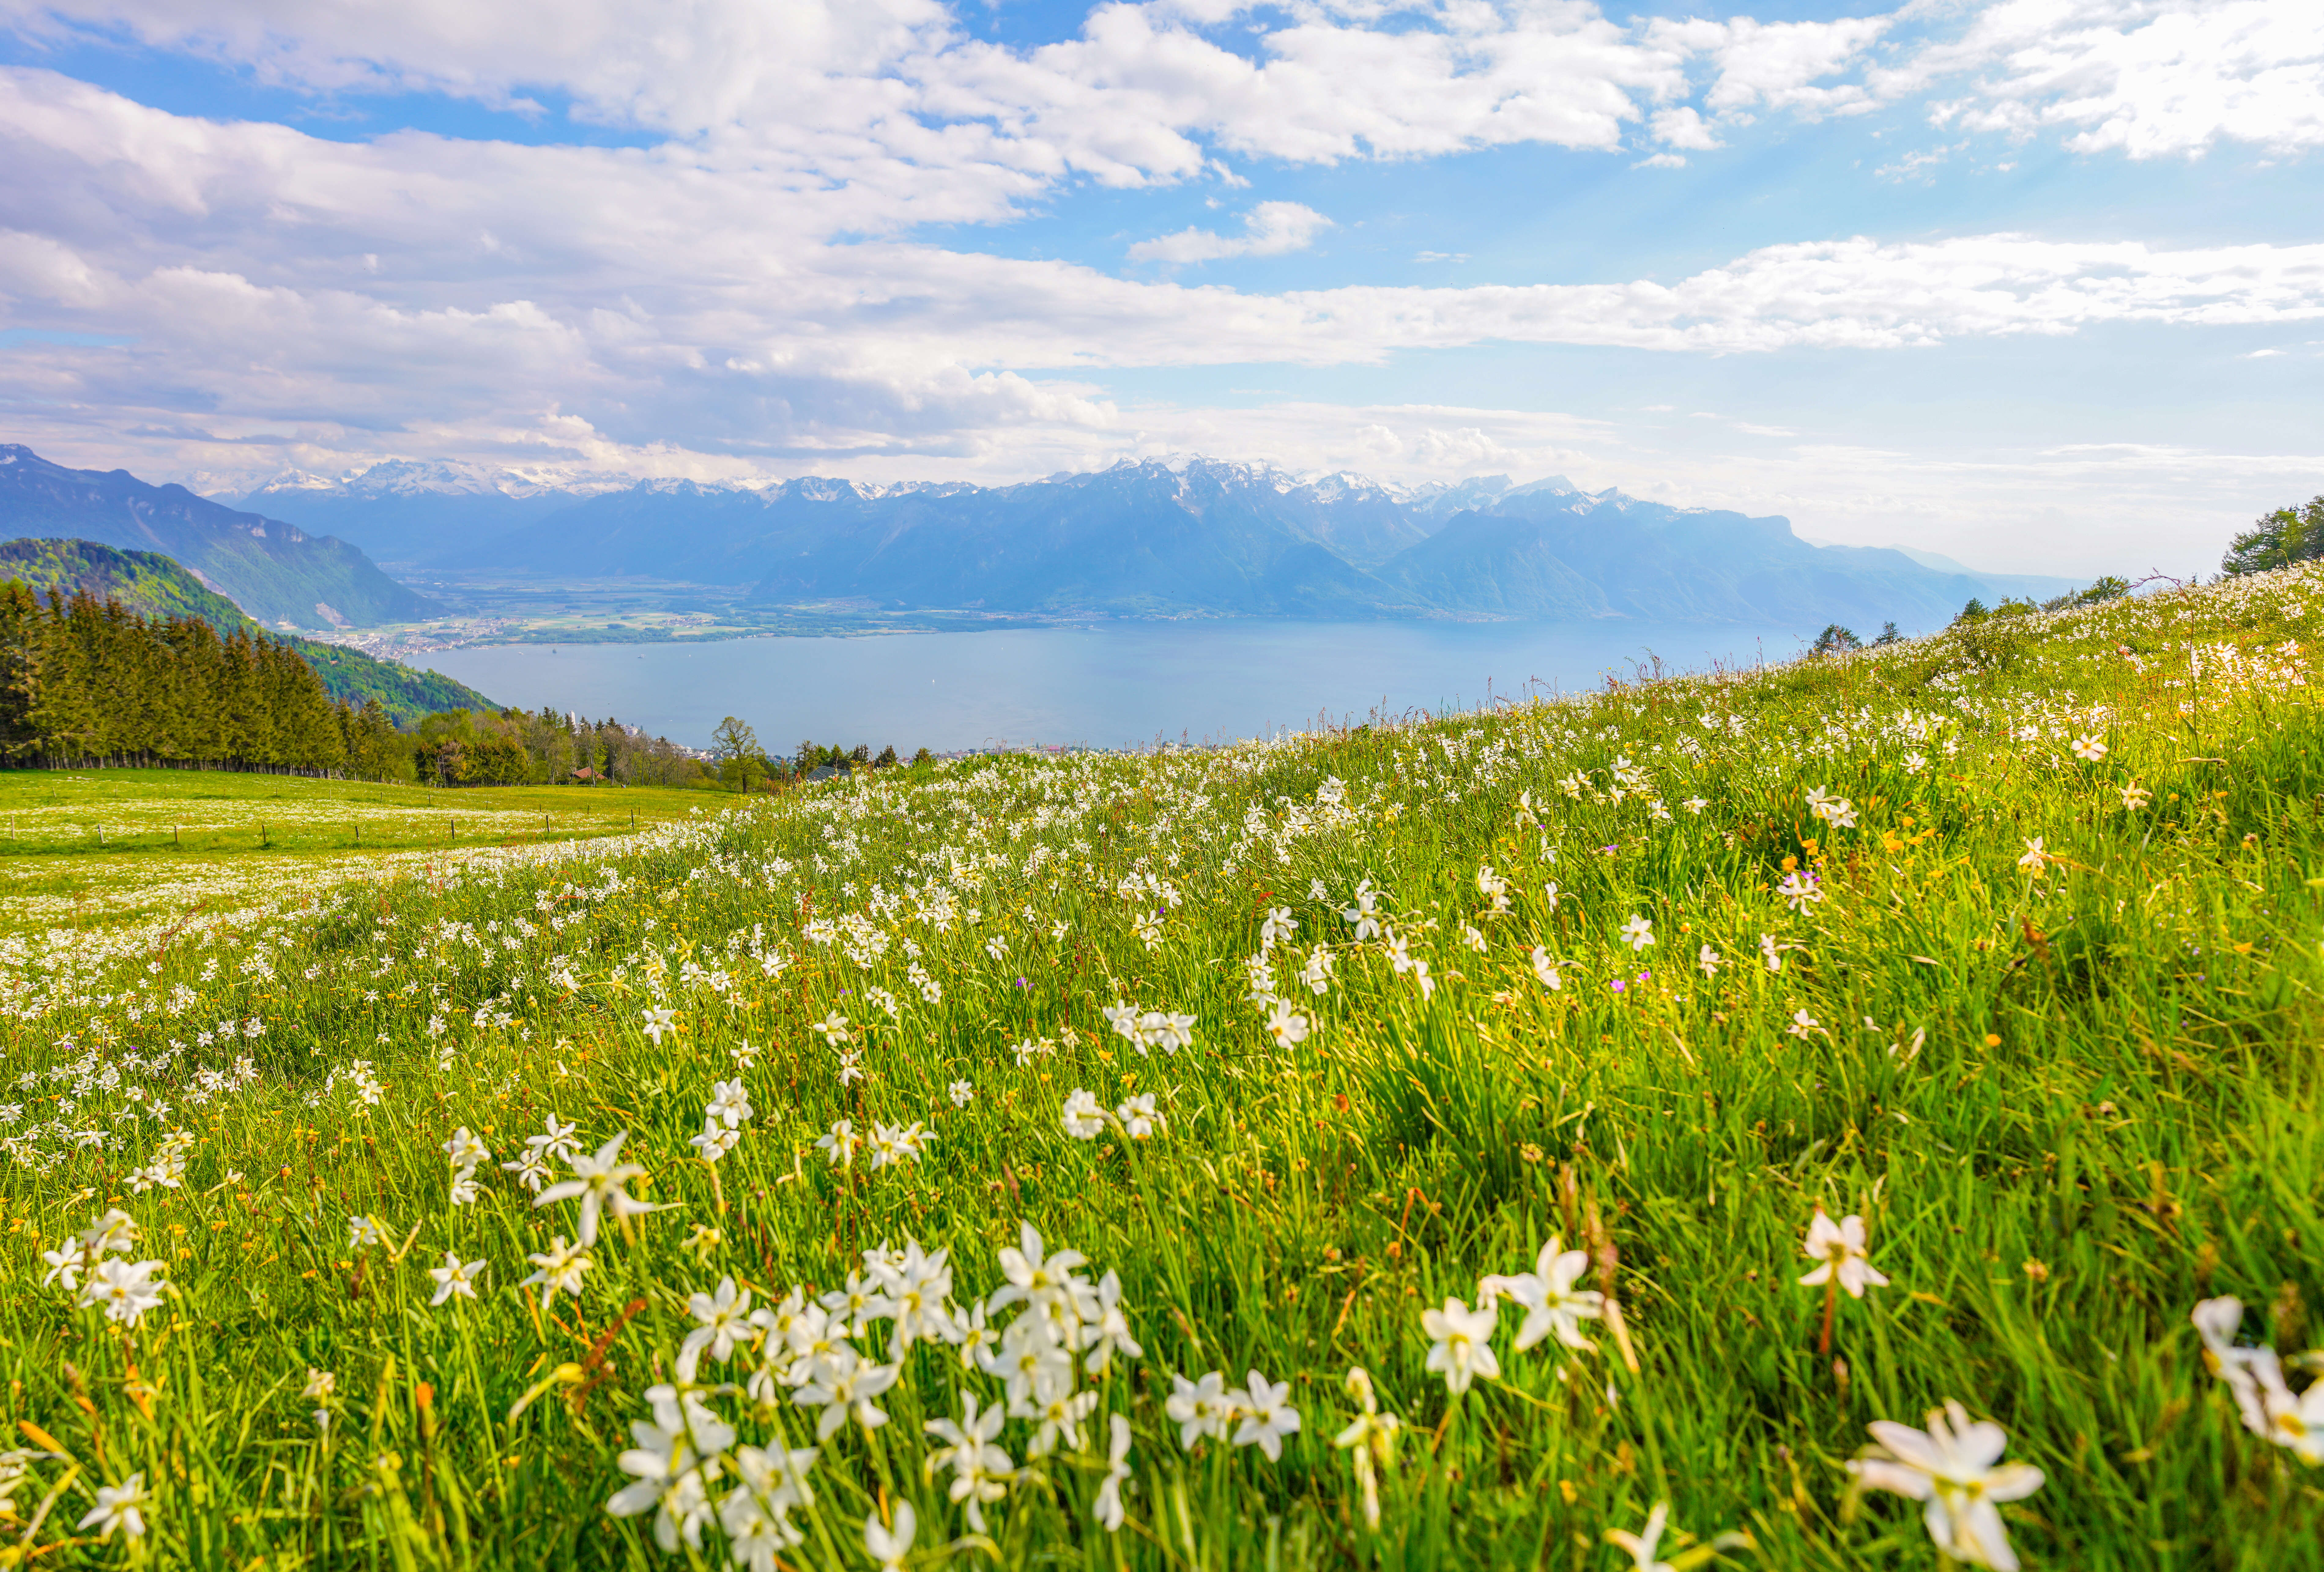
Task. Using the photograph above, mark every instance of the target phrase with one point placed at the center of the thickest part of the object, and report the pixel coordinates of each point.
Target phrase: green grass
(2071, 1095)
(103, 846)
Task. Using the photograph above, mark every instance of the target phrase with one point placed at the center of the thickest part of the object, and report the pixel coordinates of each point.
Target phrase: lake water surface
(1108, 685)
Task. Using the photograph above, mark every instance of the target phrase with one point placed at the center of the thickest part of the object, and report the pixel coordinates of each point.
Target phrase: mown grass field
(102, 846)
(1999, 948)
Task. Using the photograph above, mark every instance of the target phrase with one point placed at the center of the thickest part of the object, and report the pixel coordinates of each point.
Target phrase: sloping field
(98, 847)
(1403, 1147)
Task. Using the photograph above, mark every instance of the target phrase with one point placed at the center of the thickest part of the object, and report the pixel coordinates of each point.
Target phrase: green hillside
(1746, 1105)
(153, 585)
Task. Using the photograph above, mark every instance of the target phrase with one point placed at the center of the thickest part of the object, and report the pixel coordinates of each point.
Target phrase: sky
(2036, 283)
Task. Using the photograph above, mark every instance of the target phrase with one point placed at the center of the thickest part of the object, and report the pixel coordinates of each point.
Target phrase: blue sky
(2034, 282)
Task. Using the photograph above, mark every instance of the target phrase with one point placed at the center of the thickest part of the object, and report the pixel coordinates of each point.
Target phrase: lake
(1108, 685)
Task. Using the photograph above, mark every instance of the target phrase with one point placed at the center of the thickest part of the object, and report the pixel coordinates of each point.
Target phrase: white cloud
(1269, 229)
(1778, 65)
(2149, 78)
(280, 287)
(1682, 126)
(1916, 165)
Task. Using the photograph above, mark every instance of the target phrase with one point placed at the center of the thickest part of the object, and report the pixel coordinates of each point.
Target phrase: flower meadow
(1855, 1114)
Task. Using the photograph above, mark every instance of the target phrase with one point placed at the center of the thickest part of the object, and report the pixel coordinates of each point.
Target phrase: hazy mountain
(1188, 536)
(2026, 585)
(405, 513)
(680, 529)
(152, 585)
(1558, 554)
(270, 568)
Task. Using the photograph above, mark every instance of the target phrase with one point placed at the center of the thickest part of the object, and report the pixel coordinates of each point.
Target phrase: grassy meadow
(1393, 1147)
(83, 847)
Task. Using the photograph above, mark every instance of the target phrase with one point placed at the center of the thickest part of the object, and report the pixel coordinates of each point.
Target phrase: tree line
(89, 684)
(85, 683)
(1836, 639)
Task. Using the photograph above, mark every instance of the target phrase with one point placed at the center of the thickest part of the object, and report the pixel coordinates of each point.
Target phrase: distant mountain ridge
(270, 567)
(1183, 536)
(402, 511)
(152, 585)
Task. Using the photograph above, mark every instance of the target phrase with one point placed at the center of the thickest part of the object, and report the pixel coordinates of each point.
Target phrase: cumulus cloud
(2149, 78)
(1269, 229)
(1681, 126)
(277, 288)
(1778, 65)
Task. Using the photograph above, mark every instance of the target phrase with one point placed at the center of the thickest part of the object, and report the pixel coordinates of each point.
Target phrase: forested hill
(275, 571)
(151, 585)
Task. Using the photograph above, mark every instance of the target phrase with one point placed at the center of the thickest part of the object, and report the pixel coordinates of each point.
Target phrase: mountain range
(152, 585)
(269, 567)
(1176, 537)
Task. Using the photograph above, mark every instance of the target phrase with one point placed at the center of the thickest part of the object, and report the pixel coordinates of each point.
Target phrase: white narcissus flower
(2037, 860)
(455, 1277)
(673, 1454)
(714, 1140)
(840, 1143)
(1138, 1116)
(2255, 1377)
(2136, 796)
(980, 1471)
(1554, 1307)
(1546, 970)
(1082, 1116)
(600, 1181)
(1840, 1246)
(1198, 1408)
(2090, 749)
(729, 1103)
(1267, 1418)
(1642, 1547)
(66, 1263)
(843, 1386)
(890, 1547)
(1955, 1468)
(1286, 1026)
(1369, 1440)
(465, 1150)
(1107, 1508)
(1709, 960)
(1638, 932)
(1462, 1346)
(659, 1021)
(1033, 1277)
(722, 1320)
(125, 1290)
(561, 1266)
(119, 1506)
